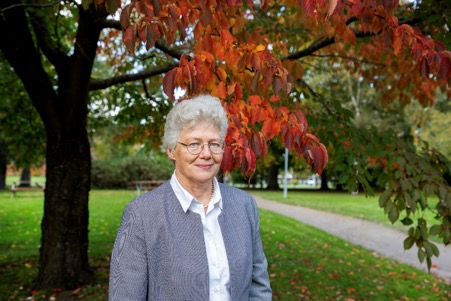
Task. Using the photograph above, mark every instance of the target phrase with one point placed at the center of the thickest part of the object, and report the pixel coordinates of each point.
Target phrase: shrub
(117, 173)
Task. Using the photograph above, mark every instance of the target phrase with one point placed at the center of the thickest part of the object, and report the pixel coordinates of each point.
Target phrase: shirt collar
(186, 199)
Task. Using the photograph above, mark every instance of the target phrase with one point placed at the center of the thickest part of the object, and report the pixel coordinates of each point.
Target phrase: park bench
(16, 188)
(145, 185)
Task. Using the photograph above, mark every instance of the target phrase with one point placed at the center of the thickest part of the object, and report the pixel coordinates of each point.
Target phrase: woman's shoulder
(153, 198)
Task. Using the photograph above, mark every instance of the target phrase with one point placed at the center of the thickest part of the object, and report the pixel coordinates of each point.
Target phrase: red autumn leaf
(265, 148)
(248, 163)
(332, 8)
(424, 67)
(125, 16)
(142, 32)
(444, 68)
(156, 5)
(130, 38)
(145, 8)
(319, 159)
(257, 143)
(227, 160)
(169, 83)
(238, 91)
(397, 44)
(309, 7)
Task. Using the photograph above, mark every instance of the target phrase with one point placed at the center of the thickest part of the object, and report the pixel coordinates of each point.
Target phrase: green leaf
(408, 242)
(394, 214)
(407, 221)
(388, 206)
(384, 198)
(424, 232)
(428, 249)
(435, 230)
(421, 255)
(435, 250)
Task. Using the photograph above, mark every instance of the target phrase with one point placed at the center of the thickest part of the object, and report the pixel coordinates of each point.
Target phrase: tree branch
(29, 5)
(348, 58)
(326, 41)
(105, 83)
(43, 35)
(160, 45)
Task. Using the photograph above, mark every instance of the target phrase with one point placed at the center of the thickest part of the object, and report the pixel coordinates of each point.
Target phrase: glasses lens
(194, 148)
(216, 147)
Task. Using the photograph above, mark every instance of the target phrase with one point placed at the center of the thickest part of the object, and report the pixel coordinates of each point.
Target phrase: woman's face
(196, 170)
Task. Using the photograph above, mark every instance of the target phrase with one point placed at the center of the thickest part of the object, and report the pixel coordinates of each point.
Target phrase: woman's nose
(205, 151)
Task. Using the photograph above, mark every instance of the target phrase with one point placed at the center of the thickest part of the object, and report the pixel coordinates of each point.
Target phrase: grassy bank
(348, 204)
(304, 263)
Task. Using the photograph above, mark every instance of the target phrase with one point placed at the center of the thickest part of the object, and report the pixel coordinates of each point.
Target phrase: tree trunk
(273, 173)
(324, 180)
(25, 177)
(63, 260)
(3, 164)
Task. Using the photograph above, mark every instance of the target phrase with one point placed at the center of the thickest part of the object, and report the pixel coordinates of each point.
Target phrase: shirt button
(217, 290)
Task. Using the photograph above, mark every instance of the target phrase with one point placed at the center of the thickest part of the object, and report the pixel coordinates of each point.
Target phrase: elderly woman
(192, 238)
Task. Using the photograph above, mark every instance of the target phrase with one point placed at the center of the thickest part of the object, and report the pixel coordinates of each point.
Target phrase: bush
(119, 172)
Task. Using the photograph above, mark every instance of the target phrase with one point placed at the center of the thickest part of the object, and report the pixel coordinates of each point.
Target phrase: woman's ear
(170, 153)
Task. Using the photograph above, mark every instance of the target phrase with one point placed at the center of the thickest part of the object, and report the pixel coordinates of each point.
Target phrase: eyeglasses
(195, 148)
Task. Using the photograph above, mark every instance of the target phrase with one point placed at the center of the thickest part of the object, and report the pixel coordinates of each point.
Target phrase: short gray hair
(190, 111)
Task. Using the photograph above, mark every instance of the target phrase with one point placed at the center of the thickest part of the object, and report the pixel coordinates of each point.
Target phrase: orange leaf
(221, 91)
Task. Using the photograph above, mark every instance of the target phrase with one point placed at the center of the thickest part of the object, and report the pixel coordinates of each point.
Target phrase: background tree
(22, 135)
(221, 48)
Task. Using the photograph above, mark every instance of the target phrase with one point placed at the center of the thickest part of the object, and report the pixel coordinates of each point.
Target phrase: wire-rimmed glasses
(195, 148)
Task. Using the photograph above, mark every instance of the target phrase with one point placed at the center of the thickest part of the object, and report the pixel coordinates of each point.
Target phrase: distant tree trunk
(25, 177)
(273, 173)
(324, 180)
(3, 164)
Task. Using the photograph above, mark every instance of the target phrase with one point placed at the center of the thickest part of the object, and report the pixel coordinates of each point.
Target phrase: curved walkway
(382, 239)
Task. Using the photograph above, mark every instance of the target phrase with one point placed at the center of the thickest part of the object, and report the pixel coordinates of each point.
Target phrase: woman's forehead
(201, 130)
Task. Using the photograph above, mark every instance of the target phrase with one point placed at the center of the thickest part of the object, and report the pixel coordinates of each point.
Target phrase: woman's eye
(215, 145)
(193, 145)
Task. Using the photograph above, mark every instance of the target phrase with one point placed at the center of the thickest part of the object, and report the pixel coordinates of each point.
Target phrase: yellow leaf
(260, 47)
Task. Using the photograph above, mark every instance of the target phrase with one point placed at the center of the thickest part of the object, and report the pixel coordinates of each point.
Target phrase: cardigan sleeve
(128, 267)
(260, 288)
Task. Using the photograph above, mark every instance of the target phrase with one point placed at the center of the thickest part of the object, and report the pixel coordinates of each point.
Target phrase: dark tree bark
(3, 164)
(324, 180)
(25, 177)
(273, 182)
(63, 260)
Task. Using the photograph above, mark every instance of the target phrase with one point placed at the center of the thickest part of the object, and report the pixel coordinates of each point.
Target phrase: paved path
(373, 236)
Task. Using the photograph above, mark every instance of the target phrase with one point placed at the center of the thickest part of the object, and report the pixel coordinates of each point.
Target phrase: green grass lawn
(304, 263)
(348, 204)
